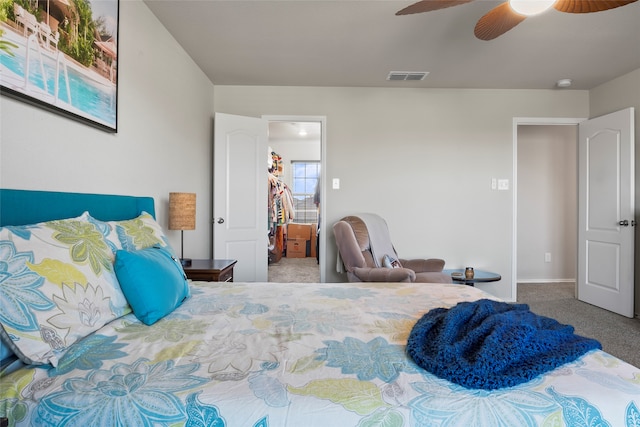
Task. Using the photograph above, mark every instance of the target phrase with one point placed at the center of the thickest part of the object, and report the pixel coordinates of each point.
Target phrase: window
(305, 176)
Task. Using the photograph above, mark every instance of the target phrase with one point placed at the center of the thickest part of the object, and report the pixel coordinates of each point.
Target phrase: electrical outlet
(547, 257)
(494, 183)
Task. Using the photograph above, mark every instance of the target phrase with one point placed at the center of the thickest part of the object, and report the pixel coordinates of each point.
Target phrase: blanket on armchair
(379, 239)
(489, 344)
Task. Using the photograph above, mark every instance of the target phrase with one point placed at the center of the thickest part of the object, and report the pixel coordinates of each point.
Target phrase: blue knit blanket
(489, 344)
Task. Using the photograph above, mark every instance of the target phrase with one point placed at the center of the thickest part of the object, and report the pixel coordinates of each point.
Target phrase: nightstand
(211, 270)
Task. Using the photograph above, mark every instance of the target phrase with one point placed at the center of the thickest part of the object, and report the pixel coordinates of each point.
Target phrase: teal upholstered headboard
(21, 207)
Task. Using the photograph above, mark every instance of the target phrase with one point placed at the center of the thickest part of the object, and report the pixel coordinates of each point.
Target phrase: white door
(240, 228)
(606, 212)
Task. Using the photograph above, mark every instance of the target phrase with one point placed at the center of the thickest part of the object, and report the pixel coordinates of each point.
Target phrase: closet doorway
(547, 203)
(296, 238)
(544, 203)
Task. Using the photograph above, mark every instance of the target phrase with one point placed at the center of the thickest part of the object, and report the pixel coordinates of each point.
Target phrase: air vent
(407, 75)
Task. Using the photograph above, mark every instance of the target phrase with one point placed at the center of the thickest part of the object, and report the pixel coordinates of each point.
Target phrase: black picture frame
(62, 56)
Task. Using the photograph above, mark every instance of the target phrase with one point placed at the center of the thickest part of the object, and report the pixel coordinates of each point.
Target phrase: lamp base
(186, 262)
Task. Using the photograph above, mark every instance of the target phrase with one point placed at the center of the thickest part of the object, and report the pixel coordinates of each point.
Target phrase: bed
(245, 354)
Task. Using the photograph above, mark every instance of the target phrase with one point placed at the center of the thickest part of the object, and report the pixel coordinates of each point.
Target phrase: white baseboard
(546, 281)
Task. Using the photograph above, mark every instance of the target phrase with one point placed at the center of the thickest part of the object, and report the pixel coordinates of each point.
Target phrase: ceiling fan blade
(497, 21)
(429, 5)
(588, 6)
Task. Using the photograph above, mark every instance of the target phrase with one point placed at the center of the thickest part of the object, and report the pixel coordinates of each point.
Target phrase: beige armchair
(368, 255)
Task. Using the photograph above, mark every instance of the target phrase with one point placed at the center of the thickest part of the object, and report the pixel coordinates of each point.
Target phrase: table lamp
(182, 216)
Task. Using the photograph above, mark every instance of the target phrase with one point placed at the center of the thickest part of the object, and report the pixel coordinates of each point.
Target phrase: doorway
(544, 206)
(605, 267)
(547, 204)
(296, 143)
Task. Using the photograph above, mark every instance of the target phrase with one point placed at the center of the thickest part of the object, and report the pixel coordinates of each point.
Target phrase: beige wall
(165, 109)
(615, 95)
(547, 203)
(421, 158)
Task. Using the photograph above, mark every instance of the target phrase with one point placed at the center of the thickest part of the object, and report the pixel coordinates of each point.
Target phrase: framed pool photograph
(62, 55)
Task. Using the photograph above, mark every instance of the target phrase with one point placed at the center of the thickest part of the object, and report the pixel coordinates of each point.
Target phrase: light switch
(503, 184)
(336, 183)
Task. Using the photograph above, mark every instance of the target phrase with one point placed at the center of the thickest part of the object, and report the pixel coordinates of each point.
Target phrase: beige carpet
(292, 270)
(619, 335)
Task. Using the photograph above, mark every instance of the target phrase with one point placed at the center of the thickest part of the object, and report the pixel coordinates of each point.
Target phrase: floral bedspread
(258, 354)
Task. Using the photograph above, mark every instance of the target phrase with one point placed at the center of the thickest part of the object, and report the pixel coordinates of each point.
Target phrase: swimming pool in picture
(58, 81)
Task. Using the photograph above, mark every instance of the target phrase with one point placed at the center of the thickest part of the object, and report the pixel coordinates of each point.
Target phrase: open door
(240, 194)
(606, 212)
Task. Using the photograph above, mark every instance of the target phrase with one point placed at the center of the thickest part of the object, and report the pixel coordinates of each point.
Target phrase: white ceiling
(358, 42)
(291, 131)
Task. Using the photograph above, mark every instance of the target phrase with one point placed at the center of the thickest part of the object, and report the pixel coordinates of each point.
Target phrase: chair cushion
(433, 277)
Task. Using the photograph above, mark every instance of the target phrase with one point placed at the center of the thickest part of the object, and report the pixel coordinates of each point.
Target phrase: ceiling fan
(504, 17)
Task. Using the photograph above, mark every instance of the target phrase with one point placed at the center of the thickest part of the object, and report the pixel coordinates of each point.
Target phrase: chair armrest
(383, 274)
(423, 265)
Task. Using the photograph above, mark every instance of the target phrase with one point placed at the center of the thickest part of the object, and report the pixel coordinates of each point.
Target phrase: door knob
(219, 220)
(624, 223)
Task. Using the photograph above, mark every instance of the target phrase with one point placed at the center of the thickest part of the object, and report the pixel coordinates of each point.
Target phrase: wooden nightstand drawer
(226, 276)
(211, 270)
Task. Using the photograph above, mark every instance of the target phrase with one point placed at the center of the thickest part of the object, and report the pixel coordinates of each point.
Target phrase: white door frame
(322, 252)
(521, 121)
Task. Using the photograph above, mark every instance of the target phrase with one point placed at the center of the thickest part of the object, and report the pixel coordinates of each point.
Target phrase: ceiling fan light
(530, 7)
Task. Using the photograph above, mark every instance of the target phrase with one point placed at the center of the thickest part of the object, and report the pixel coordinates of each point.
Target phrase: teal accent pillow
(153, 282)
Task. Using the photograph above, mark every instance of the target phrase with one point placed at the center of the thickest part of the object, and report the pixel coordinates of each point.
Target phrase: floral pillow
(132, 234)
(57, 285)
